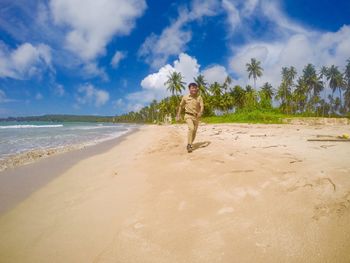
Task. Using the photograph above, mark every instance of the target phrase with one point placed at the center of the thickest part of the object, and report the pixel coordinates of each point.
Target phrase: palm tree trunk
(340, 97)
(324, 101)
(255, 83)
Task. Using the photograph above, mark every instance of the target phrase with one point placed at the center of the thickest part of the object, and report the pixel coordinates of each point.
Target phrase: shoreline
(17, 183)
(31, 156)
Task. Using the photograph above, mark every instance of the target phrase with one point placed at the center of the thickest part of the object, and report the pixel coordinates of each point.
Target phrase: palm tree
(173, 104)
(215, 89)
(313, 83)
(202, 85)
(175, 83)
(254, 70)
(336, 81)
(266, 94)
(227, 83)
(162, 107)
(300, 95)
(288, 75)
(324, 72)
(226, 102)
(347, 82)
(216, 93)
(285, 89)
(284, 94)
(238, 95)
(251, 98)
(248, 88)
(268, 90)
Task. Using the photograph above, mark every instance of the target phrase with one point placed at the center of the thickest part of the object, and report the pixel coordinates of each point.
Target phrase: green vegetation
(254, 116)
(301, 96)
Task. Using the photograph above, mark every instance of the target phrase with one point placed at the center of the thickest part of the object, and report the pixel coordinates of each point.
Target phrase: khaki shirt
(193, 104)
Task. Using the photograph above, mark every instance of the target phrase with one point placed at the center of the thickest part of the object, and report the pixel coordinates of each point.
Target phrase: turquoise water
(18, 137)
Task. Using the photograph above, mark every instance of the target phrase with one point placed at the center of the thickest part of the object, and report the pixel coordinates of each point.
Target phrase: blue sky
(112, 56)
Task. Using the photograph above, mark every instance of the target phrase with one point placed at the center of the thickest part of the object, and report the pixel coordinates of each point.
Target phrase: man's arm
(182, 104)
(201, 104)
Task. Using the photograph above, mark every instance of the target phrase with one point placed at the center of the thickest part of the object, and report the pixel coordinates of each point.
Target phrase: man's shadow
(199, 145)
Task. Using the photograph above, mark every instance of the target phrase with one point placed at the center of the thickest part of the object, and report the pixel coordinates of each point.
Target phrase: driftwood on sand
(329, 140)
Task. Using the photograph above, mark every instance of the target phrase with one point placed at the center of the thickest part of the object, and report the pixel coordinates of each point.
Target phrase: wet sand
(30, 174)
(248, 193)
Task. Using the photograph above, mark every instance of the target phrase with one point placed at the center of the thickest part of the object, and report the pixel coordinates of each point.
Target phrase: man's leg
(191, 128)
(190, 125)
(195, 124)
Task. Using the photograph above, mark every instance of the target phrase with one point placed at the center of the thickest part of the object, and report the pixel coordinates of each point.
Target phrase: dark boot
(189, 148)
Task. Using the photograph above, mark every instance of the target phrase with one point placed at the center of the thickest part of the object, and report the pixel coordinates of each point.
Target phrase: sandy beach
(248, 193)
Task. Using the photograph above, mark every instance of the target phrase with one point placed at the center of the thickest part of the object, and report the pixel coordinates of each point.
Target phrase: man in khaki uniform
(193, 104)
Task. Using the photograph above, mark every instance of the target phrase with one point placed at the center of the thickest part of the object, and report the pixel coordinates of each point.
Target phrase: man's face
(193, 90)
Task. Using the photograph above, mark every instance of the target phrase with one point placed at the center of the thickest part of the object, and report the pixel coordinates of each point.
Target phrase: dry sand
(248, 193)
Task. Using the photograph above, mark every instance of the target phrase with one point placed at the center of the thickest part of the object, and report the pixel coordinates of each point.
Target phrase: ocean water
(19, 137)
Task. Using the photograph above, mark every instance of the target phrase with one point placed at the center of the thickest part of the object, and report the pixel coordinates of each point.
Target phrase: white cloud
(118, 56)
(91, 69)
(272, 11)
(233, 15)
(250, 6)
(77, 31)
(156, 80)
(290, 43)
(320, 49)
(241, 13)
(88, 94)
(156, 50)
(186, 65)
(92, 24)
(153, 87)
(215, 73)
(202, 8)
(24, 61)
(173, 40)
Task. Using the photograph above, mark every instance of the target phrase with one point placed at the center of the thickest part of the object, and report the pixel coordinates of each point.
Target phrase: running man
(194, 106)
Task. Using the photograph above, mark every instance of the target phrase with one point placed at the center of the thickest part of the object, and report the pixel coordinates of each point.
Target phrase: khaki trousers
(192, 124)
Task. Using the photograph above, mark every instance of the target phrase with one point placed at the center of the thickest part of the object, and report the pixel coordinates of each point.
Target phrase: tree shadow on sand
(199, 145)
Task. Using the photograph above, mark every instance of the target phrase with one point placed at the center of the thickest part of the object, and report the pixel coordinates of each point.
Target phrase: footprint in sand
(299, 185)
(327, 185)
(296, 161)
(327, 146)
(274, 146)
(338, 207)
